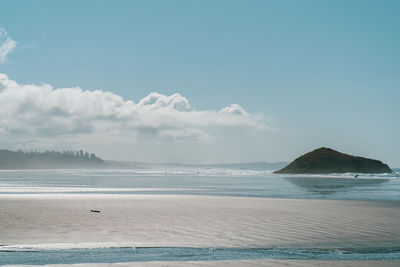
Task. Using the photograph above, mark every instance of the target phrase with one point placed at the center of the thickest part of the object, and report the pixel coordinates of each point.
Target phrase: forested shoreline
(48, 159)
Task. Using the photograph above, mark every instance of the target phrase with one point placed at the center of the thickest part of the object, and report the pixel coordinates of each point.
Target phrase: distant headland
(20, 160)
(326, 160)
(16, 160)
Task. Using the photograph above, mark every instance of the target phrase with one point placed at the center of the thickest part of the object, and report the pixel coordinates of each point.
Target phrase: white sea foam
(37, 189)
(186, 171)
(176, 172)
(59, 246)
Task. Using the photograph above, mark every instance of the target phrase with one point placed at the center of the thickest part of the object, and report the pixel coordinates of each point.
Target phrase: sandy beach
(196, 221)
(65, 221)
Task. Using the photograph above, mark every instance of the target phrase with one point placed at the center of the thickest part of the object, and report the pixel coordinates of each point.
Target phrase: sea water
(193, 181)
(216, 182)
(142, 254)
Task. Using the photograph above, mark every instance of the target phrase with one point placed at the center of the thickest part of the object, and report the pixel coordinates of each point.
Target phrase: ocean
(216, 182)
(196, 181)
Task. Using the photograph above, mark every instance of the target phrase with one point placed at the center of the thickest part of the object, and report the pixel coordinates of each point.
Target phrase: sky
(201, 81)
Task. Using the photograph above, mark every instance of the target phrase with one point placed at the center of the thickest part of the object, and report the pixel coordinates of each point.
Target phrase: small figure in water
(356, 176)
(198, 172)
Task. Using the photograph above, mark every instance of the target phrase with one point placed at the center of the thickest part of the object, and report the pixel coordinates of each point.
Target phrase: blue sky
(321, 73)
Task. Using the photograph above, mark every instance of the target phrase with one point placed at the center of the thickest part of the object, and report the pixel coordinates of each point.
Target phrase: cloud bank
(7, 45)
(41, 111)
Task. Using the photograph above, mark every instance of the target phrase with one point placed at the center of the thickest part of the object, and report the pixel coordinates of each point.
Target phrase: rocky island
(325, 160)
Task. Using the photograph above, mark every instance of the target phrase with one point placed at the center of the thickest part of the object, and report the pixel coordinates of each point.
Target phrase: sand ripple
(201, 221)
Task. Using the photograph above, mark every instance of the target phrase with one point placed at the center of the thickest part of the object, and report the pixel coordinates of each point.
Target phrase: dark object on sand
(95, 211)
(356, 176)
(325, 160)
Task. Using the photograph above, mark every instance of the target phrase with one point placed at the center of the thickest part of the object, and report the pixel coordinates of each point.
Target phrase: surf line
(142, 254)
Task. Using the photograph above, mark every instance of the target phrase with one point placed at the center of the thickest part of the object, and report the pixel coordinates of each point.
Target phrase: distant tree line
(48, 159)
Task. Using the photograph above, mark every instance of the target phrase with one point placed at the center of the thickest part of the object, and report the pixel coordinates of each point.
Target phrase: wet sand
(65, 221)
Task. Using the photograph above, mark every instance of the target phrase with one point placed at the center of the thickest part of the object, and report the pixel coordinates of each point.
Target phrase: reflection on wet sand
(327, 186)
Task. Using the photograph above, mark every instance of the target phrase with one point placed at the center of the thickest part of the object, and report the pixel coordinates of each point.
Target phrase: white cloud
(42, 112)
(156, 101)
(7, 45)
(234, 109)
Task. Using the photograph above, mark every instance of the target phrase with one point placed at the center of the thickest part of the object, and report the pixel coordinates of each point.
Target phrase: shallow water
(219, 182)
(129, 254)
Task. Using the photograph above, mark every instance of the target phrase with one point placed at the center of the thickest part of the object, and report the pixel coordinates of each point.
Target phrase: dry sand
(200, 221)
